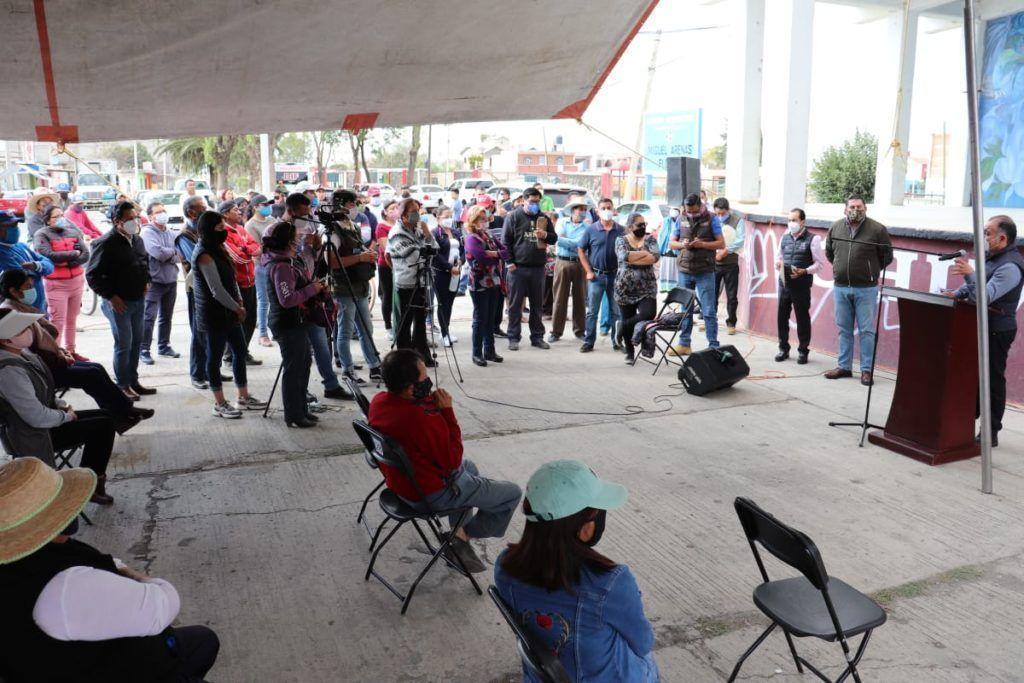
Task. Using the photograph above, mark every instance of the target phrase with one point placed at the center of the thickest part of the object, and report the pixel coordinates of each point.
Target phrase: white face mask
(365, 233)
(606, 215)
(130, 227)
(446, 222)
(375, 201)
(674, 213)
(160, 218)
(354, 213)
(794, 227)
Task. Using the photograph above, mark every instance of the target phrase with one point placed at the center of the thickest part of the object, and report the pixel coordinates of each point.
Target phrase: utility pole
(135, 162)
(430, 150)
(267, 173)
(634, 165)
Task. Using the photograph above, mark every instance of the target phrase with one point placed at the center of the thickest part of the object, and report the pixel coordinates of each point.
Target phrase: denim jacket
(600, 634)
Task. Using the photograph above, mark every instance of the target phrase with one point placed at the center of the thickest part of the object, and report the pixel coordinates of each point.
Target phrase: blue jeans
(606, 314)
(486, 303)
(322, 355)
(127, 330)
(495, 501)
(601, 286)
(860, 304)
(262, 302)
(354, 312)
(707, 295)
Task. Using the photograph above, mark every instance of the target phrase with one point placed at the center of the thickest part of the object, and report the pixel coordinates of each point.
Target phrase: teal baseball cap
(562, 488)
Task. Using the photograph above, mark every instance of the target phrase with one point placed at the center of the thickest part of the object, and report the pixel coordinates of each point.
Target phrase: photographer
(410, 245)
(290, 291)
(352, 267)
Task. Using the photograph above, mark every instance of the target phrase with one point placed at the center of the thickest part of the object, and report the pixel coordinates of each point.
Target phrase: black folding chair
(364, 406)
(678, 300)
(537, 659)
(386, 451)
(814, 604)
(61, 459)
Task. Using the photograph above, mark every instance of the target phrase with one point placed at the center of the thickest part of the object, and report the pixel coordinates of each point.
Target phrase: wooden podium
(932, 414)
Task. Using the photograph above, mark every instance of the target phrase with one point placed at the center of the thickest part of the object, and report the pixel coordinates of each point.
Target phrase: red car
(15, 200)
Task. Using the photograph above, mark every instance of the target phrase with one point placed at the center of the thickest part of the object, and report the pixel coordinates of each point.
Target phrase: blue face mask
(265, 211)
(29, 296)
(314, 202)
(13, 235)
(532, 208)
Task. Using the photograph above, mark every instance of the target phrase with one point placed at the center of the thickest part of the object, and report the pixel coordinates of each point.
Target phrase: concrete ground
(255, 523)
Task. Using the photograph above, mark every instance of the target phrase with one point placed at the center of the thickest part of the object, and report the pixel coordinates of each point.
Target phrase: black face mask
(420, 390)
(599, 521)
(220, 236)
(639, 231)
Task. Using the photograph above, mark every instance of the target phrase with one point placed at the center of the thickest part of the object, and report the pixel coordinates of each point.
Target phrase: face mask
(412, 219)
(314, 202)
(599, 522)
(420, 390)
(606, 214)
(130, 227)
(28, 296)
(22, 340)
(532, 208)
(446, 222)
(855, 215)
(366, 233)
(674, 213)
(794, 227)
(64, 223)
(375, 201)
(354, 213)
(430, 220)
(265, 211)
(13, 235)
(640, 230)
(161, 218)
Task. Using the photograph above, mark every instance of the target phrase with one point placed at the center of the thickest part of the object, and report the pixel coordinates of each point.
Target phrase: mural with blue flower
(1001, 108)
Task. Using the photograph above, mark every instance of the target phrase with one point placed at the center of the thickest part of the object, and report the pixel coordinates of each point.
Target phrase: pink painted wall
(923, 272)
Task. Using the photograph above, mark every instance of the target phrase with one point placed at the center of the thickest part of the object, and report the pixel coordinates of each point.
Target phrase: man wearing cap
(527, 234)
(570, 277)
(72, 613)
(583, 607)
(36, 206)
(423, 422)
(16, 254)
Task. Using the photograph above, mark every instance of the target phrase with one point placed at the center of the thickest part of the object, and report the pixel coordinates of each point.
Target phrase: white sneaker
(391, 335)
(251, 403)
(453, 339)
(227, 411)
(447, 342)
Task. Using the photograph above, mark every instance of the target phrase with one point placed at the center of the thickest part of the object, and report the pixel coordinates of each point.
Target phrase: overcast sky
(851, 79)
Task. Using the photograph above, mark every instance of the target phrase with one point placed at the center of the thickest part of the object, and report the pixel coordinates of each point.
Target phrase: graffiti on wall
(1001, 108)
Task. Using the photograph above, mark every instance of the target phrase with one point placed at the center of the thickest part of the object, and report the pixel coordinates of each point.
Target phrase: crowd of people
(295, 271)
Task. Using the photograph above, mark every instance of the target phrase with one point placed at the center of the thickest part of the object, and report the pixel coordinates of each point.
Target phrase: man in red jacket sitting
(424, 424)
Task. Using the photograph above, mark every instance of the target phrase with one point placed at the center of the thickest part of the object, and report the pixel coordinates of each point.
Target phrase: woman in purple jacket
(290, 292)
(485, 255)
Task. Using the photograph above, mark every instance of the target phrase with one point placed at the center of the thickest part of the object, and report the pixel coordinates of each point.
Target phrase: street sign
(671, 134)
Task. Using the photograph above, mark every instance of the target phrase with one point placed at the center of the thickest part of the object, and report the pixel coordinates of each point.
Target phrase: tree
(187, 154)
(323, 145)
(293, 147)
(218, 150)
(414, 152)
(715, 157)
(123, 154)
(845, 170)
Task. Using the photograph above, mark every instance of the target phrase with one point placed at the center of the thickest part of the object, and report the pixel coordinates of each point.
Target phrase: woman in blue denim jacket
(585, 607)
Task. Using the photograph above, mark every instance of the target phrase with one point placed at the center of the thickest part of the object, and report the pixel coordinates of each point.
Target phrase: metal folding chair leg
(85, 518)
(376, 552)
(750, 651)
(792, 649)
(376, 534)
(366, 501)
(852, 668)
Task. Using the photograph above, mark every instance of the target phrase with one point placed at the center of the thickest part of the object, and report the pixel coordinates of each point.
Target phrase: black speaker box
(711, 369)
(683, 179)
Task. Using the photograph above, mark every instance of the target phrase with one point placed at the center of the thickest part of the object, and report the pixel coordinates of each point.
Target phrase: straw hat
(32, 205)
(37, 503)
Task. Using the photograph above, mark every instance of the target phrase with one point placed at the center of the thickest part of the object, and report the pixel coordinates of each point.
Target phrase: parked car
(469, 187)
(387, 192)
(513, 190)
(14, 200)
(171, 200)
(429, 196)
(202, 189)
(653, 212)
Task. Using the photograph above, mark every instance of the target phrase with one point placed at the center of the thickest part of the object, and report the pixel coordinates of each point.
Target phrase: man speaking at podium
(1004, 270)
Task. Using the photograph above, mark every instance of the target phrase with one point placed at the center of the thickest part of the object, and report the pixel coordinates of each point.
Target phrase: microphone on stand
(952, 255)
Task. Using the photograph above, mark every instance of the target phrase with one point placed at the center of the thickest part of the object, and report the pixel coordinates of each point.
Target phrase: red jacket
(244, 251)
(430, 437)
(84, 223)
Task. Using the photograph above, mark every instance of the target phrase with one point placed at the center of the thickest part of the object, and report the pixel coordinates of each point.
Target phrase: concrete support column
(786, 120)
(267, 175)
(891, 173)
(743, 156)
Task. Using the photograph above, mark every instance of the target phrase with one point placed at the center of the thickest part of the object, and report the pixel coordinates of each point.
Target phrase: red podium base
(926, 455)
